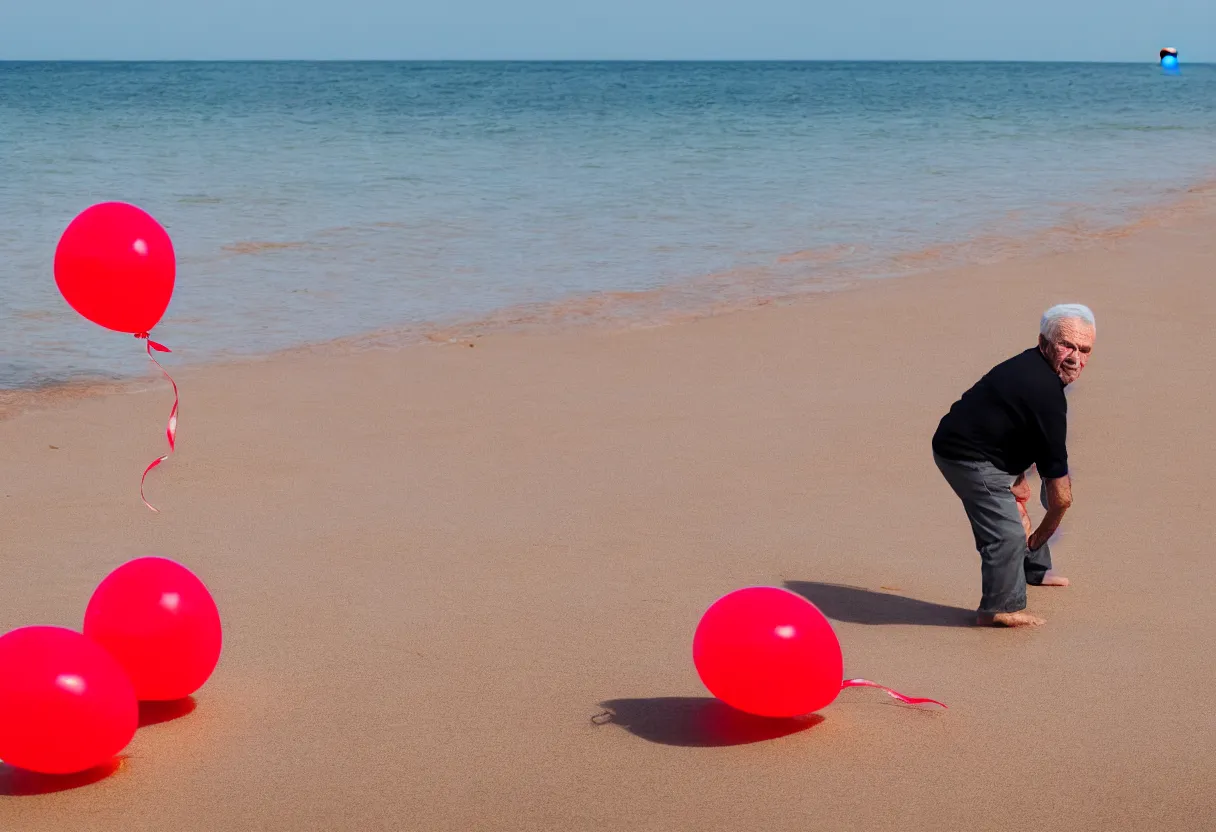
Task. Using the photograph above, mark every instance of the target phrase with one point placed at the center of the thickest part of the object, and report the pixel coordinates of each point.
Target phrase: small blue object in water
(1169, 61)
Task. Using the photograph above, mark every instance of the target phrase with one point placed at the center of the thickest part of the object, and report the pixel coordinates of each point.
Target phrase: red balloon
(768, 652)
(115, 266)
(65, 704)
(159, 621)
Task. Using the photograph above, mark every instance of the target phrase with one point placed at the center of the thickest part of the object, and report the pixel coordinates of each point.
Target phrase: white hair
(1049, 324)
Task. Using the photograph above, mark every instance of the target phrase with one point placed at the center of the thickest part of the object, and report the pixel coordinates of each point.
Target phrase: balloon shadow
(154, 713)
(17, 782)
(696, 721)
(863, 606)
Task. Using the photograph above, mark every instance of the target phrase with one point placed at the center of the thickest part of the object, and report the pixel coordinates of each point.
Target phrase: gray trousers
(1006, 563)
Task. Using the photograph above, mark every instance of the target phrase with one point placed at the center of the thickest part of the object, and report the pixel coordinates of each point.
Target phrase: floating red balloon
(65, 704)
(115, 266)
(768, 652)
(159, 621)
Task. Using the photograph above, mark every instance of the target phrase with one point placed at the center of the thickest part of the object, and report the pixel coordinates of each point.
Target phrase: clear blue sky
(1116, 30)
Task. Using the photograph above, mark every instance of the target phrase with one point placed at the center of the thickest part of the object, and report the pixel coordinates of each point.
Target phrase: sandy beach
(436, 565)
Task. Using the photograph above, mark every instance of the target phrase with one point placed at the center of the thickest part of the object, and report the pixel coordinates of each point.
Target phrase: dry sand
(437, 564)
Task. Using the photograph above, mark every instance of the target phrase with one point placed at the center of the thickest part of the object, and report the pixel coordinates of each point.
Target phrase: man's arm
(1059, 498)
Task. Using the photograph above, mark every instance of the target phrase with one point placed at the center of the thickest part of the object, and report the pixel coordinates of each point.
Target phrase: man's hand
(1021, 493)
(1059, 498)
(1021, 489)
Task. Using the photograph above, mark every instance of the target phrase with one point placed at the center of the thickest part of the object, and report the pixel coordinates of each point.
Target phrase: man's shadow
(863, 606)
(696, 721)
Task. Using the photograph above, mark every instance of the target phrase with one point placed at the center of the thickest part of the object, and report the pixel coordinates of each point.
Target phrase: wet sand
(436, 566)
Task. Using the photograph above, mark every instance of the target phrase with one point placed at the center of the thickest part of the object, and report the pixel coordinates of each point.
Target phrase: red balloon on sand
(115, 266)
(159, 621)
(65, 704)
(769, 652)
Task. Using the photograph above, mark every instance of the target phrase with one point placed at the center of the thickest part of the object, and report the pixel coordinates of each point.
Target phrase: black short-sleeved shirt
(1015, 416)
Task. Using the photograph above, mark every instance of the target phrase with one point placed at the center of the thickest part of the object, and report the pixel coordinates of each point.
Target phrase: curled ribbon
(907, 700)
(171, 430)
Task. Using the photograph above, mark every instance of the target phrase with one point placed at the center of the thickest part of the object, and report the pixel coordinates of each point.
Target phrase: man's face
(1069, 351)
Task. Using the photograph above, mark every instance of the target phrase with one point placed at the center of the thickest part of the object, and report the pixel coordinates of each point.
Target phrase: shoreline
(620, 311)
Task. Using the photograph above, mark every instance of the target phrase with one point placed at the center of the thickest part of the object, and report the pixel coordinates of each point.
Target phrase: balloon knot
(141, 335)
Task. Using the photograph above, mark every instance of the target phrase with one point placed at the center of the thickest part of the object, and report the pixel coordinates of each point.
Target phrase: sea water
(314, 201)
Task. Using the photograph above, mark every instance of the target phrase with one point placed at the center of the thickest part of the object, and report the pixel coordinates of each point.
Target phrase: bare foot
(1009, 619)
(1052, 579)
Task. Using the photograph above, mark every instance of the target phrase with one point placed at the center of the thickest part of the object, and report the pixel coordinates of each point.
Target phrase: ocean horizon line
(567, 61)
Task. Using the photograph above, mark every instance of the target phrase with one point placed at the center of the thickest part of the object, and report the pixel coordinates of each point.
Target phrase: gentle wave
(260, 247)
(742, 289)
(787, 279)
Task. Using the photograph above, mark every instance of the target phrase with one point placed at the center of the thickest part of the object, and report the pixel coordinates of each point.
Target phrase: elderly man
(1014, 417)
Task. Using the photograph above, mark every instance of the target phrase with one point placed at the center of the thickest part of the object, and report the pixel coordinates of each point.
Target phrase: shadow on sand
(863, 606)
(154, 713)
(16, 782)
(696, 721)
